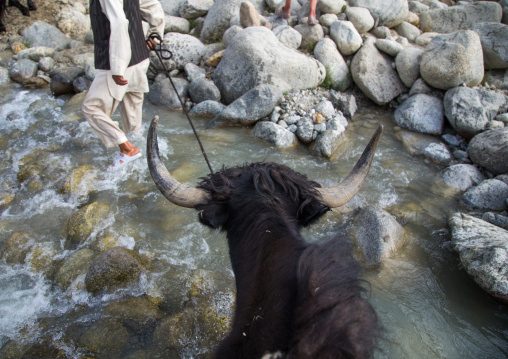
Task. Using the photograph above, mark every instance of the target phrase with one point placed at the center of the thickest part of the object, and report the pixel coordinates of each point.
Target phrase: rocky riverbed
(439, 67)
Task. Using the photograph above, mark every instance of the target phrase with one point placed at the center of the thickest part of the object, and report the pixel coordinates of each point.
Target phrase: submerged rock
(175, 331)
(377, 233)
(115, 268)
(77, 264)
(425, 146)
(138, 313)
(16, 248)
(85, 221)
(483, 251)
(105, 339)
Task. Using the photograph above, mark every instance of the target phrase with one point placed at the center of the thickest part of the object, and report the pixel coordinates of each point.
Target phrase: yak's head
(267, 188)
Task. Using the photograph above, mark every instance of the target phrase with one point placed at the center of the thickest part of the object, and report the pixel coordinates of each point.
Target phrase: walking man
(121, 62)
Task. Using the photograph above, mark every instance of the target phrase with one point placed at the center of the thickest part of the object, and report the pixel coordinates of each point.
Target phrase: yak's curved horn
(345, 191)
(176, 192)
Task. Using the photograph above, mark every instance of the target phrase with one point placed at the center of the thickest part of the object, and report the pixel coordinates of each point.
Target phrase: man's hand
(151, 44)
(119, 80)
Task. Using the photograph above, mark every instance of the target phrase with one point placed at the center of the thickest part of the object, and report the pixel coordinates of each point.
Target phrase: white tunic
(120, 48)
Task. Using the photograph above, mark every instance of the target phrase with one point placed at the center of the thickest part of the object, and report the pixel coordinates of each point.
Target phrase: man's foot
(283, 14)
(311, 21)
(122, 158)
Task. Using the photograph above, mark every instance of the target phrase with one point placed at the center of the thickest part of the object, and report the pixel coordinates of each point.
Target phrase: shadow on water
(428, 305)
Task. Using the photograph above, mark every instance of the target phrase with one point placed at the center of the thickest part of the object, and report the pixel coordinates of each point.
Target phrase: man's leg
(131, 111)
(98, 108)
(284, 11)
(312, 13)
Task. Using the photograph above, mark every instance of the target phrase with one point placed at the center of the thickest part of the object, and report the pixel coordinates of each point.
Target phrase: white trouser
(99, 106)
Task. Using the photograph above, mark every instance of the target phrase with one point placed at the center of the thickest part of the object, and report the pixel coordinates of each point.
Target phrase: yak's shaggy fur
(25, 10)
(304, 300)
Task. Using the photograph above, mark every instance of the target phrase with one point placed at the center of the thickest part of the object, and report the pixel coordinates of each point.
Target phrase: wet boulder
(80, 182)
(75, 265)
(105, 339)
(207, 108)
(137, 313)
(483, 251)
(470, 111)
(163, 94)
(421, 113)
(42, 258)
(16, 247)
(41, 33)
(427, 146)
(460, 17)
(461, 176)
(255, 57)
(23, 71)
(84, 222)
(115, 268)
(250, 107)
(174, 332)
(490, 150)
(378, 235)
(274, 134)
(327, 142)
(452, 60)
(495, 47)
(373, 73)
(489, 195)
(202, 89)
(214, 315)
(337, 71)
(389, 13)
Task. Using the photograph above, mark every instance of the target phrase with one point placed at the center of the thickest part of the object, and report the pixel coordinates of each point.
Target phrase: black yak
(294, 299)
(25, 10)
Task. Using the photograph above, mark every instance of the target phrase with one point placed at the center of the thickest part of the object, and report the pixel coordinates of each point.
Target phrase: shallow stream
(429, 307)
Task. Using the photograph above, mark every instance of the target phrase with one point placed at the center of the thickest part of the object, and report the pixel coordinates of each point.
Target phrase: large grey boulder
(469, 111)
(483, 251)
(255, 57)
(494, 39)
(489, 195)
(330, 6)
(311, 35)
(425, 146)
(249, 108)
(461, 176)
(377, 233)
(41, 33)
(373, 73)
(73, 22)
(389, 13)
(452, 60)
(421, 113)
(460, 17)
(490, 150)
(184, 48)
(176, 24)
(172, 7)
(274, 134)
(337, 71)
(407, 63)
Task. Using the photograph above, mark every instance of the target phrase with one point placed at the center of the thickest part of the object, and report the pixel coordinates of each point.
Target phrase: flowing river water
(428, 305)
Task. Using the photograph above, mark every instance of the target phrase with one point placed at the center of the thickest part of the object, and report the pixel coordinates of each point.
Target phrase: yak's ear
(311, 213)
(213, 215)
